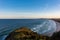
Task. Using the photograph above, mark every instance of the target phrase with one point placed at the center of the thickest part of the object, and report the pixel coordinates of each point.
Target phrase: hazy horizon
(29, 9)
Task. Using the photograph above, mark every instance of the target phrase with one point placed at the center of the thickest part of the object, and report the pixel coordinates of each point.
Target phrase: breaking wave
(48, 26)
(41, 26)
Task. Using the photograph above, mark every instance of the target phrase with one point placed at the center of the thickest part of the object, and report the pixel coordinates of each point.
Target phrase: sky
(29, 8)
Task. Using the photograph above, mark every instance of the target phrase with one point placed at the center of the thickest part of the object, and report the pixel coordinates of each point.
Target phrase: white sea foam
(46, 27)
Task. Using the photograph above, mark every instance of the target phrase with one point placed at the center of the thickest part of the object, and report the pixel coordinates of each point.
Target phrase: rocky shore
(25, 34)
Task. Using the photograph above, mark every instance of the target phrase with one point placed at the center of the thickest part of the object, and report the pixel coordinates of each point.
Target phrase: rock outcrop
(25, 34)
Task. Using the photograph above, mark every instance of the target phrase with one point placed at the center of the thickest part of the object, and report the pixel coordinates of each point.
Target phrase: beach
(57, 24)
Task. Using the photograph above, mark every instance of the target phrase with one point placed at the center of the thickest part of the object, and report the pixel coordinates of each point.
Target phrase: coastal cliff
(25, 34)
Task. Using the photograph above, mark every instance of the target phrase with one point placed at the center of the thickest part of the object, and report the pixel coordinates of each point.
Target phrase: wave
(48, 26)
(39, 26)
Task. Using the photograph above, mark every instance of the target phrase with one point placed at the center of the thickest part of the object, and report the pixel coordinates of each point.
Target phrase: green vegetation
(26, 34)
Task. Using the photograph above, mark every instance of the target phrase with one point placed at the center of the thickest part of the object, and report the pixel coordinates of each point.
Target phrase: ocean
(9, 25)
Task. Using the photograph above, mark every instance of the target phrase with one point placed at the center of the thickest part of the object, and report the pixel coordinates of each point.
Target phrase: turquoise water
(9, 25)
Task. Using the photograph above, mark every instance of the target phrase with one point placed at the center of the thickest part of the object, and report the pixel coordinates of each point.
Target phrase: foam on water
(48, 26)
(41, 26)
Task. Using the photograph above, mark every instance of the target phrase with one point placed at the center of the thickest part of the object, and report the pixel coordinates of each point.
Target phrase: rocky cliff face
(25, 34)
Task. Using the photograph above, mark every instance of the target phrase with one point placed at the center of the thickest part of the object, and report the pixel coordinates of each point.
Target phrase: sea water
(41, 26)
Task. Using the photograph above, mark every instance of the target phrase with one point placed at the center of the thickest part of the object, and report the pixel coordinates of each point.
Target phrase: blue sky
(29, 8)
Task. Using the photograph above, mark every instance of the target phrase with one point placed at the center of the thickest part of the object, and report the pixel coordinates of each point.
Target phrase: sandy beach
(57, 24)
